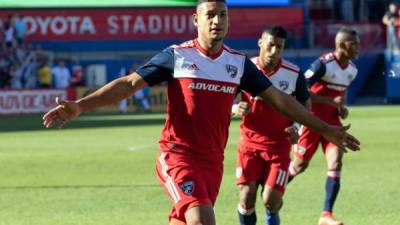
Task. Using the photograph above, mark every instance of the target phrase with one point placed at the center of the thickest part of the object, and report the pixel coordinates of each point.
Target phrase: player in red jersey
(264, 148)
(329, 76)
(203, 77)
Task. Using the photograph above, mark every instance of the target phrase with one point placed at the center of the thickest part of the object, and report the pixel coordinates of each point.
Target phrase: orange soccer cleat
(328, 219)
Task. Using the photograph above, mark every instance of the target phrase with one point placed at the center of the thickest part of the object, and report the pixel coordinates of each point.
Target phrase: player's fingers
(353, 139)
(52, 119)
(50, 116)
(346, 127)
(49, 113)
(49, 120)
(52, 112)
(244, 107)
(352, 143)
(50, 123)
(46, 123)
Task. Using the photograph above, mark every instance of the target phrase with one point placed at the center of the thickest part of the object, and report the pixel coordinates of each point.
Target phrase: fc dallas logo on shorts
(187, 187)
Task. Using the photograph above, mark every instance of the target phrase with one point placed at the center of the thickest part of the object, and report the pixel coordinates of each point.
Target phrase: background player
(203, 76)
(264, 148)
(329, 76)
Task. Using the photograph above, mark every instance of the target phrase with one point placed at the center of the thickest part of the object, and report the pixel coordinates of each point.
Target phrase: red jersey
(263, 128)
(327, 77)
(201, 89)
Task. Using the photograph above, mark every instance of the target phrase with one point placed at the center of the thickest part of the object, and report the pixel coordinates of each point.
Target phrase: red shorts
(308, 144)
(268, 168)
(187, 182)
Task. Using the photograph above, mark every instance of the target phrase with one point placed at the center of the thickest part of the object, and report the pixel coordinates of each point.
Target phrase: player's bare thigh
(200, 215)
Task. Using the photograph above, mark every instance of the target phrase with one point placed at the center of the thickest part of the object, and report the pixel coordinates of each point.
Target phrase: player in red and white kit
(329, 76)
(263, 156)
(203, 77)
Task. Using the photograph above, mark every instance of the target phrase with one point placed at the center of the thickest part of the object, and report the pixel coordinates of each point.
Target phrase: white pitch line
(138, 148)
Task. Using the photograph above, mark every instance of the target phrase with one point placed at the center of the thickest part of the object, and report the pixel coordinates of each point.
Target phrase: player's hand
(241, 109)
(338, 135)
(343, 112)
(64, 112)
(338, 101)
(293, 135)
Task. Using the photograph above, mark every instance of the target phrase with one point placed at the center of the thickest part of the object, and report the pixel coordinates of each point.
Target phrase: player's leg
(247, 200)
(304, 151)
(297, 166)
(200, 215)
(334, 156)
(275, 184)
(191, 188)
(273, 202)
(249, 171)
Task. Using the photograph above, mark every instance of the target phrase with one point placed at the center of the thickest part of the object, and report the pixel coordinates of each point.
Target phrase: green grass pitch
(99, 170)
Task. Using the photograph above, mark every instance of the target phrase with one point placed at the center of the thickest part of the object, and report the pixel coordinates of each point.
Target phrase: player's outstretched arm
(111, 93)
(335, 102)
(294, 110)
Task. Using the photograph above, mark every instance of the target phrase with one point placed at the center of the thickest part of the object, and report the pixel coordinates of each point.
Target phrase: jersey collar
(206, 53)
(337, 61)
(269, 73)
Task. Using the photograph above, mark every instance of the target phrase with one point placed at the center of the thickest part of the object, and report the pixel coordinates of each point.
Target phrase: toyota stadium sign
(144, 23)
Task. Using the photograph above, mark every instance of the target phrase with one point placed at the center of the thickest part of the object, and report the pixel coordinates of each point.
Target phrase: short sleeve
(315, 72)
(158, 69)
(253, 80)
(301, 92)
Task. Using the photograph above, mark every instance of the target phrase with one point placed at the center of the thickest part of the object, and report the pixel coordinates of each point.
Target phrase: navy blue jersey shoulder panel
(158, 69)
(319, 69)
(301, 92)
(253, 80)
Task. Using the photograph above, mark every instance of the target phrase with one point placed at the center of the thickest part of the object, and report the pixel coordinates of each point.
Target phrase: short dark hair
(348, 31)
(276, 31)
(203, 1)
(345, 33)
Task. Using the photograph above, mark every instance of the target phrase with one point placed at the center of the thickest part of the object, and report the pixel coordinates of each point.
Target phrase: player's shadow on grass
(14, 123)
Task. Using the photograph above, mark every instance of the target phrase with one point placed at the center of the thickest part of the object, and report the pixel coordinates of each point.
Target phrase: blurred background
(70, 48)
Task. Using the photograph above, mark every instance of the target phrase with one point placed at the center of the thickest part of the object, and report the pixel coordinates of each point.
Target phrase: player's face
(392, 8)
(351, 47)
(211, 20)
(271, 49)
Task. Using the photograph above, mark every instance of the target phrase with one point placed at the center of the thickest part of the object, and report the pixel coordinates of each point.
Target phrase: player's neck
(212, 47)
(268, 66)
(341, 58)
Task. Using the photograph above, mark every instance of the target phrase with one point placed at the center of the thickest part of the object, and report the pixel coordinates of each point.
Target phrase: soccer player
(329, 76)
(264, 149)
(203, 76)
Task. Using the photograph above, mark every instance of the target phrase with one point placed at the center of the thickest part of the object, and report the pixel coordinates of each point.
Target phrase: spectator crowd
(24, 65)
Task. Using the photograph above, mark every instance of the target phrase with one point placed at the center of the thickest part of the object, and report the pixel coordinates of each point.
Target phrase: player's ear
(260, 42)
(195, 19)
